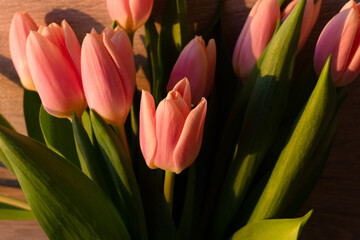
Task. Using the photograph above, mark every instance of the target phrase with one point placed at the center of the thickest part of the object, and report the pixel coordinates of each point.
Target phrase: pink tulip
(255, 35)
(130, 14)
(21, 25)
(197, 63)
(171, 136)
(53, 55)
(310, 16)
(108, 72)
(341, 38)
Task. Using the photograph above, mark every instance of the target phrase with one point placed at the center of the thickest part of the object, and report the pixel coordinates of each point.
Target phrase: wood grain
(336, 196)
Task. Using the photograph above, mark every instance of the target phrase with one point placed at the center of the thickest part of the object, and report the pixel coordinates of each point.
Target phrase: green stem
(169, 188)
(14, 202)
(122, 136)
(131, 37)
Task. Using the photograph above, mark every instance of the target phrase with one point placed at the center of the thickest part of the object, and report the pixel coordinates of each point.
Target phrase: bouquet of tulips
(217, 149)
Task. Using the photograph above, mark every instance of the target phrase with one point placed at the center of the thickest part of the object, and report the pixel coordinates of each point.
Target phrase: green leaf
(58, 135)
(11, 212)
(32, 104)
(91, 161)
(120, 166)
(302, 142)
(262, 118)
(66, 203)
(5, 123)
(181, 7)
(273, 229)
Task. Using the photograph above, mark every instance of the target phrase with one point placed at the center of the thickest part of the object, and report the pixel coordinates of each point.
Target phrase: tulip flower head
(130, 14)
(255, 35)
(21, 25)
(108, 73)
(197, 63)
(341, 38)
(171, 135)
(53, 55)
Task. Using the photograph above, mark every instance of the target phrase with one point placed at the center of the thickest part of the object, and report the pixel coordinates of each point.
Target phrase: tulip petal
(183, 87)
(72, 45)
(147, 128)
(169, 125)
(341, 29)
(55, 79)
(123, 46)
(21, 25)
(126, 82)
(176, 98)
(120, 11)
(211, 56)
(102, 84)
(140, 11)
(192, 64)
(189, 143)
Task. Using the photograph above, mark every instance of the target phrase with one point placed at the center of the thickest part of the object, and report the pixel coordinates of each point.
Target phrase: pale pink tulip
(197, 63)
(310, 16)
(171, 135)
(255, 35)
(21, 25)
(108, 87)
(341, 38)
(53, 55)
(130, 14)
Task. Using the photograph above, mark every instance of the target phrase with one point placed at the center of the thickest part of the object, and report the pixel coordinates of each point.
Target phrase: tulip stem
(14, 202)
(122, 136)
(169, 188)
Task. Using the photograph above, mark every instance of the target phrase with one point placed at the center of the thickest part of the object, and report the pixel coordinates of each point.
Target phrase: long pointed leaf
(120, 165)
(58, 134)
(66, 203)
(32, 104)
(262, 118)
(273, 229)
(303, 140)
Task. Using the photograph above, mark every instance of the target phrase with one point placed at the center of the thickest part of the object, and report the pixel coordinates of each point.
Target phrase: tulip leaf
(91, 161)
(303, 140)
(32, 104)
(273, 229)
(119, 163)
(4, 122)
(262, 118)
(58, 135)
(8, 212)
(66, 203)
(181, 7)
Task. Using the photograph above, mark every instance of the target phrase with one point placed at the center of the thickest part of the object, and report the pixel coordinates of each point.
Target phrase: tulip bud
(341, 38)
(171, 136)
(197, 63)
(310, 16)
(53, 55)
(130, 14)
(21, 25)
(108, 86)
(255, 35)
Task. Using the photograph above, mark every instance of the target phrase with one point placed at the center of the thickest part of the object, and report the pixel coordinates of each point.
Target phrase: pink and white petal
(120, 11)
(189, 143)
(183, 87)
(169, 125)
(72, 45)
(211, 56)
(140, 11)
(147, 131)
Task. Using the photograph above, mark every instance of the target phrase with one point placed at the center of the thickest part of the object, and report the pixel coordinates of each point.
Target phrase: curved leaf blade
(66, 203)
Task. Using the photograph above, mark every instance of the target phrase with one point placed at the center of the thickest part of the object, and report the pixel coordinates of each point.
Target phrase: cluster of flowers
(101, 73)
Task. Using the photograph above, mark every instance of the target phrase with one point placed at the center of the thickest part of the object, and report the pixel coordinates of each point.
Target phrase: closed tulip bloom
(341, 38)
(108, 87)
(255, 35)
(130, 14)
(197, 63)
(310, 16)
(53, 55)
(171, 135)
(21, 25)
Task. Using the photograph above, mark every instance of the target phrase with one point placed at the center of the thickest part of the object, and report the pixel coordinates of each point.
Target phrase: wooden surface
(336, 199)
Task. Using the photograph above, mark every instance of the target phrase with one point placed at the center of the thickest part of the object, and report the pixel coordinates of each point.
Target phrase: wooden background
(336, 198)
